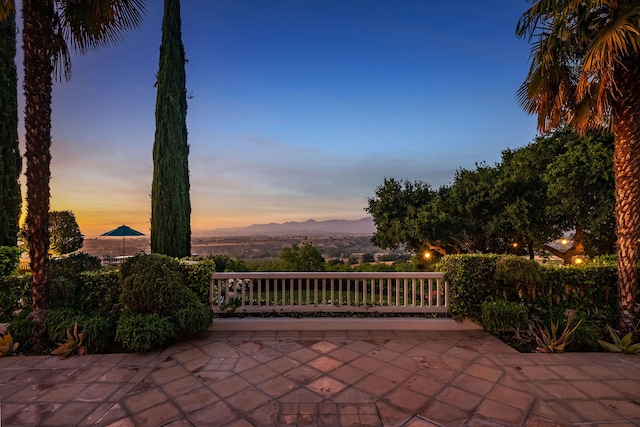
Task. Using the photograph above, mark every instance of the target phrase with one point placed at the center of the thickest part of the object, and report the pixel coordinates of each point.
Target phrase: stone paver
(316, 378)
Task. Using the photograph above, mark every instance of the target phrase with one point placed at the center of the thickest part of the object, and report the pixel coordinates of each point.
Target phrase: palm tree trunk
(626, 165)
(37, 36)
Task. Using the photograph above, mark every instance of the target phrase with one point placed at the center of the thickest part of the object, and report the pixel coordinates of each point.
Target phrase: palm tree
(47, 27)
(585, 73)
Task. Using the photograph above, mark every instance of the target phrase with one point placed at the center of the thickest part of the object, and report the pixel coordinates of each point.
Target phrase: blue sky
(299, 108)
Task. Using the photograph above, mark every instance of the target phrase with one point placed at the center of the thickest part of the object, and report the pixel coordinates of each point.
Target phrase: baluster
(397, 281)
(356, 300)
(446, 293)
(292, 285)
(405, 296)
(243, 292)
(332, 283)
(373, 292)
(276, 282)
(364, 292)
(413, 292)
(389, 282)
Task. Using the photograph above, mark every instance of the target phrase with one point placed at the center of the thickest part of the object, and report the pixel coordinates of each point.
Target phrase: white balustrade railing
(397, 292)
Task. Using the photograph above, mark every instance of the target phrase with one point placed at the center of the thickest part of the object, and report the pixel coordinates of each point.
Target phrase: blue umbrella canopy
(123, 231)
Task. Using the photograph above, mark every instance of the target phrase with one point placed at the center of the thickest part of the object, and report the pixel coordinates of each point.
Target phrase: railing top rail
(328, 275)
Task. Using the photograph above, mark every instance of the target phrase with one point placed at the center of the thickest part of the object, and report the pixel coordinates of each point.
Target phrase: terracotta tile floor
(333, 378)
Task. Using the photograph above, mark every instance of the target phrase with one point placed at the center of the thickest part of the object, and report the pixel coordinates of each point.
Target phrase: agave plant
(7, 346)
(621, 345)
(549, 341)
(73, 344)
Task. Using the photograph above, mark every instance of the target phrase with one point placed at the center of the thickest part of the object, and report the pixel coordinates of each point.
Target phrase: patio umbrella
(123, 231)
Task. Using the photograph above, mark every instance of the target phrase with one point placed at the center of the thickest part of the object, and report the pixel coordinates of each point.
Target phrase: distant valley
(310, 227)
(334, 238)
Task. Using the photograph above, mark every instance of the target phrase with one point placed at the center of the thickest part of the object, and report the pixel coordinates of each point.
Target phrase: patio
(324, 378)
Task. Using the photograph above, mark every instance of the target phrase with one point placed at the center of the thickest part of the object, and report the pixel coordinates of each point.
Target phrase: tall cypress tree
(10, 160)
(170, 202)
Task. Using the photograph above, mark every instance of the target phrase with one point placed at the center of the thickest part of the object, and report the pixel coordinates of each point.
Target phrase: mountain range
(309, 227)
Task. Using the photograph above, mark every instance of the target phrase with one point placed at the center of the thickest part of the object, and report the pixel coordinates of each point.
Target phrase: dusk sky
(299, 108)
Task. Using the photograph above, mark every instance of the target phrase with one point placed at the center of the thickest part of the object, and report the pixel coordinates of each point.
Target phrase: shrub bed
(547, 293)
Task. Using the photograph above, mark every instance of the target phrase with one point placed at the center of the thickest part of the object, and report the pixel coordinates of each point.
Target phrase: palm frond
(61, 60)
(7, 9)
(92, 24)
(578, 48)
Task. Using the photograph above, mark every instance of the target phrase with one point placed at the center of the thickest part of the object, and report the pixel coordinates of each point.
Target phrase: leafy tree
(439, 223)
(473, 202)
(170, 201)
(64, 231)
(585, 65)
(10, 160)
(522, 218)
(368, 257)
(226, 263)
(395, 210)
(47, 25)
(302, 258)
(558, 183)
(580, 192)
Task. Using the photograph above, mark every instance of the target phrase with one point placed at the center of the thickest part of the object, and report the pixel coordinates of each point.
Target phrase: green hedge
(590, 288)
(198, 278)
(9, 260)
(74, 264)
(14, 293)
(471, 281)
(98, 290)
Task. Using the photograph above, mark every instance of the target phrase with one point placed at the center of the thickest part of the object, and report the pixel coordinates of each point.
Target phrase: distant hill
(309, 227)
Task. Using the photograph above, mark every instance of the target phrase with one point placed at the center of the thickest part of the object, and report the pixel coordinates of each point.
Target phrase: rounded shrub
(72, 265)
(156, 294)
(194, 316)
(142, 332)
(153, 284)
(199, 278)
(98, 290)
